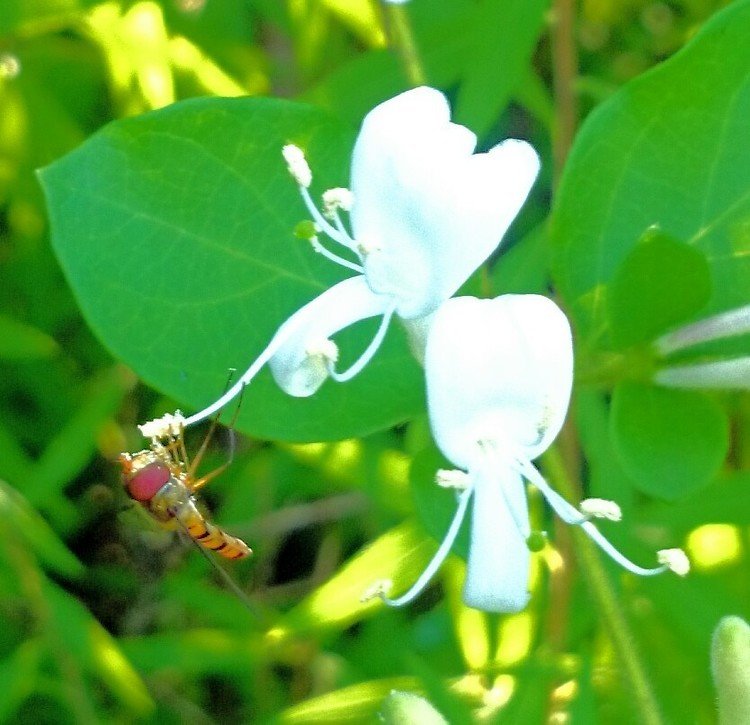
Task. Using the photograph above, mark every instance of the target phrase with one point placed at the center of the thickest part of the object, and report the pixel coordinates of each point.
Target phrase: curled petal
(498, 566)
(300, 365)
(427, 210)
(498, 370)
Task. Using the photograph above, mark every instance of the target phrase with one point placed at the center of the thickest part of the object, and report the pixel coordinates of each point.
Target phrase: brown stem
(565, 72)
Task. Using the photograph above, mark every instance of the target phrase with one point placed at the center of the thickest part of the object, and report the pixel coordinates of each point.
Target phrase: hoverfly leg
(203, 480)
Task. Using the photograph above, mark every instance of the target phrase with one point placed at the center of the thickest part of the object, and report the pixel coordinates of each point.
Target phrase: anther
(455, 479)
(168, 426)
(600, 508)
(335, 199)
(297, 165)
(674, 559)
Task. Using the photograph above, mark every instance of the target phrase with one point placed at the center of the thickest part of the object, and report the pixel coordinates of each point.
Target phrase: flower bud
(730, 665)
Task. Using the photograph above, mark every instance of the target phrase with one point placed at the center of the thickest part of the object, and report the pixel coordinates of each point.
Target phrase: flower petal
(427, 210)
(498, 370)
(498, 566)
(295, 369)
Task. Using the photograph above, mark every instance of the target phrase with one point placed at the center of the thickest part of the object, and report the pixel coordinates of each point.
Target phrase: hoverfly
(162, 479)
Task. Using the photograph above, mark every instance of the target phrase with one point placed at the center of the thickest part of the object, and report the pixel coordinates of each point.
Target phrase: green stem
(606, 599)
(402, 39)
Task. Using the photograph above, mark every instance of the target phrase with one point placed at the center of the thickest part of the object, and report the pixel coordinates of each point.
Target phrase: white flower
(425, 212)
(499, 375)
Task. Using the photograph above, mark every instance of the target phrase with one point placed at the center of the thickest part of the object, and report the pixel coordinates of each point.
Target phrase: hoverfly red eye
(143, 485)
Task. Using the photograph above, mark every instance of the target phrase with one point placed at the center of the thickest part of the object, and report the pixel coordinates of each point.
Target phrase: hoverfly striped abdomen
(208, 535)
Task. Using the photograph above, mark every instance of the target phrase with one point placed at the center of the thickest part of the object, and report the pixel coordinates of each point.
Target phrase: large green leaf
(671, 148)
(175, 230)
(670, 441)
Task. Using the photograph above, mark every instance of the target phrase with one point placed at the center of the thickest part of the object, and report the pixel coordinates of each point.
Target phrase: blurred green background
(107, 619)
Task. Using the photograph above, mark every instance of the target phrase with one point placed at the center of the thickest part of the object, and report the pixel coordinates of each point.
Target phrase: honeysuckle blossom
(424, 210)
(499, 375)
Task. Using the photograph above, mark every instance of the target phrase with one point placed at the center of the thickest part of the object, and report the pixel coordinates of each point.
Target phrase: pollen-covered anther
(600, 508)
(452, 478)
(324, 349)
(335, 199)
(170, 425)
(674, 559)
(378, 588)
(297, 165)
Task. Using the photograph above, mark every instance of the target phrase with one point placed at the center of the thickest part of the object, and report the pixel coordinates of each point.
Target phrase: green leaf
(441, 32)
(501, 41)
(18, 673)
(406, 708)
(175, 230)
(671, 149)
(200, 652)
(660, 283)
(19, 341)
(671, 442)
(400, 555)
(36, 15)
(71, 449)
(19, 519)
(354, 704)
(81, 636)
(726, 500)
(522, 269)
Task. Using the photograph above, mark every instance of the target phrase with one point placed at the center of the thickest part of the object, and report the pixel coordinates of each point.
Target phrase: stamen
(459, 480)
(297, 165)
(320, 249)
(570, 515)
(323, 224)
(367, 355)
(301, 173)
(674, 559)
(600, 508)
(335, 199)
(168, 426)
(435, 562)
